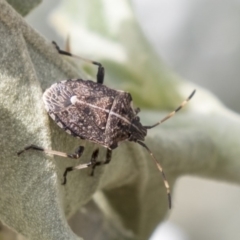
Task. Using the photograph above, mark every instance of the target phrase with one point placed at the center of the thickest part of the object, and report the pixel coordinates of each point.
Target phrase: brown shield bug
(94, 112)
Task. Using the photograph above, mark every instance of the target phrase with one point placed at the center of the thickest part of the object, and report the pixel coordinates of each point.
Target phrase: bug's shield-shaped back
(90, 111)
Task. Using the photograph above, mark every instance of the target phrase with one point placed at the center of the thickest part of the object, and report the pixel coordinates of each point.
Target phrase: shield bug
(94, 112)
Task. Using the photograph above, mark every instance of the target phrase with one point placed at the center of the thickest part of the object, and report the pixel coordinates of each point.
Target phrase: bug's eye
(137, 118)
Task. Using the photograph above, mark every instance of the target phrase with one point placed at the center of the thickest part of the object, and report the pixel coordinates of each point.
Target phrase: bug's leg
(75, 155)
(100, 73)
(97, 163)
(108, 156)
(92, 164)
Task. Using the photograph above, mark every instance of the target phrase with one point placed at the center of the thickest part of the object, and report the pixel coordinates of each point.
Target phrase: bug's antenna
(172, 113)
(162, 172)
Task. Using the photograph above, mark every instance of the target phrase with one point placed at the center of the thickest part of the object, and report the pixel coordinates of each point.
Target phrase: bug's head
(137, 131)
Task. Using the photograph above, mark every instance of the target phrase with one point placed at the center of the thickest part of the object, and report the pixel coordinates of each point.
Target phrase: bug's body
(93, 112)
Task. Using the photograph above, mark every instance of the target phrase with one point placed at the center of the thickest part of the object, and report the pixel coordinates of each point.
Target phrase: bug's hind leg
(100, 73)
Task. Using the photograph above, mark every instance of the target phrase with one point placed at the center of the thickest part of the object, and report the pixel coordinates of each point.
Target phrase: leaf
(24, 6)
